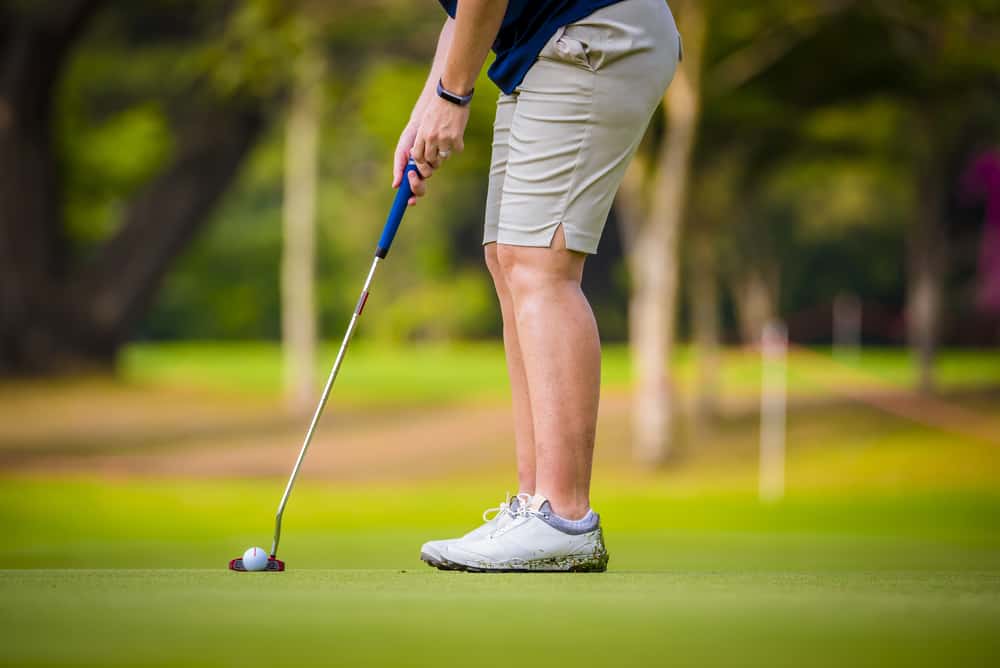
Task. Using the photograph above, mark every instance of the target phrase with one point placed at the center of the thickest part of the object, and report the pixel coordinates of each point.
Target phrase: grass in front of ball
(835, 580)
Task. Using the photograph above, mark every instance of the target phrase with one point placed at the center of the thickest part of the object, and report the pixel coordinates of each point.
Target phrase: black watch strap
(454, 98)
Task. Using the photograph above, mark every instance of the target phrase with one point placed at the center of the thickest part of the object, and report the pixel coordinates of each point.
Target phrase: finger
(419, 146)
(417, 186)
(431, 153)
(426, 169)
(412, 201)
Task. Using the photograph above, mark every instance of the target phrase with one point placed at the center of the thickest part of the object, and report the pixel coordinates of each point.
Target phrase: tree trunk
(115, 289)
(650, 339)
(927, 266)
(755, 304)
(34, 42)
(298, 316)
(52, 319)
(654, 261)
(705, 328)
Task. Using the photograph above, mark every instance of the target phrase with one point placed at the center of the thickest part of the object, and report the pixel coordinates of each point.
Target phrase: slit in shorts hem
(579, 243)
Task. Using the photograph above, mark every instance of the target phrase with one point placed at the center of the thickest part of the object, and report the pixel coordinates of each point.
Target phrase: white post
(773, 399)
(846, 327)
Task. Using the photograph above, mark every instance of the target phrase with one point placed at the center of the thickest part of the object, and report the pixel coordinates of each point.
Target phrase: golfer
(580, 80)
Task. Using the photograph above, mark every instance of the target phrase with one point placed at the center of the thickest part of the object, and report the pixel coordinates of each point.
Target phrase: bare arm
(437, 68)
(426, 95)
(477, 24)
(437, 127)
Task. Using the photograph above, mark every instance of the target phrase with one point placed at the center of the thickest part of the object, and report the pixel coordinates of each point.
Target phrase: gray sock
(586, 524)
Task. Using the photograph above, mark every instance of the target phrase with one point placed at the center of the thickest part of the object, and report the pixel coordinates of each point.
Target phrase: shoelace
(499, 511)
(506, 508)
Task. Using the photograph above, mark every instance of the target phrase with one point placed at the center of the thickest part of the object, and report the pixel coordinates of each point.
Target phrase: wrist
(460, 98)
(457, 85)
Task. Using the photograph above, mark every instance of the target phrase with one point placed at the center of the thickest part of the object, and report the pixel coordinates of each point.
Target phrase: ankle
(569, 510)
(573, 514)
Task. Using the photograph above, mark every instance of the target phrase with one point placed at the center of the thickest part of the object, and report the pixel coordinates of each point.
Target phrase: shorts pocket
(571, 44)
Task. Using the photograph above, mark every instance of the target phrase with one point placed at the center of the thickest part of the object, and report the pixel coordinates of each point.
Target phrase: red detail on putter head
(276, 565)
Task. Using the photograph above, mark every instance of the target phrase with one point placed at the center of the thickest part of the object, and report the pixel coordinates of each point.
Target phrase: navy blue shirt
(526, 28)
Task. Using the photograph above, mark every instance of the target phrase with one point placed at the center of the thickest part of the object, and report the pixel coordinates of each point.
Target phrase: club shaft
(322, 403)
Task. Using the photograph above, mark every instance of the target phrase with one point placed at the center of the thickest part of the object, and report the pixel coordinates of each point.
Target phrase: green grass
(394, 618)
(885, 552)
(428, 374)
(132, 572)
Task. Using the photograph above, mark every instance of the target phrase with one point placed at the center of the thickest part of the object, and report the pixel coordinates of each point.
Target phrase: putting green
(213, 618)
(133, 573)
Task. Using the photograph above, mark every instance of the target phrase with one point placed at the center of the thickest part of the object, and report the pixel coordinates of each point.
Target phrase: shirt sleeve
(449, 6)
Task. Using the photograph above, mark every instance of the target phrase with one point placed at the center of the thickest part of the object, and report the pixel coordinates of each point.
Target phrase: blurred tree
(751, 41)
(56, 314)
(953, 50)
(651, 235)
(932, 70)
(712, 206)
(298, 308)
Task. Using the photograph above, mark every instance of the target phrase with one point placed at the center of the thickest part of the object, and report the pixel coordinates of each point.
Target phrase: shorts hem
(575, 241)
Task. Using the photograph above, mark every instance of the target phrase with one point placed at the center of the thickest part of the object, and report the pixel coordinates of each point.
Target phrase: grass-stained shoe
(535, 539)
(493, 518)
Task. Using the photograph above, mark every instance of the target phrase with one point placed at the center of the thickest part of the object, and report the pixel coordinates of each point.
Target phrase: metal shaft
(322, 404)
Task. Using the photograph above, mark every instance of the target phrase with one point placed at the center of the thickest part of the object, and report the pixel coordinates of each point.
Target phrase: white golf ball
(255, 559)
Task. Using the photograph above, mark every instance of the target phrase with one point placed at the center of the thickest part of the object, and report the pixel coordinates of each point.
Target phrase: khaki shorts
(562, 141)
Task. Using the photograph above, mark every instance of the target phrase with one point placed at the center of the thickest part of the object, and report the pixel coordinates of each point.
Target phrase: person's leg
(524, 441)
(524, 437)
(561, 353)
(581, 112)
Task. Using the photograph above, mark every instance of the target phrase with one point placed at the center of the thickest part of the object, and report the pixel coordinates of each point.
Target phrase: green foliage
(462, 306)
(257, 48)
(812, 159)
(111, 159)
(821, 124)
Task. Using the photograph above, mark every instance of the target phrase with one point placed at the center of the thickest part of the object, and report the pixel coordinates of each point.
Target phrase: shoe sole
(555, 565)
(440, 564)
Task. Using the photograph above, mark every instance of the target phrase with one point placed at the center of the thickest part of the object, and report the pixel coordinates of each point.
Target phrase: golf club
(395, 217)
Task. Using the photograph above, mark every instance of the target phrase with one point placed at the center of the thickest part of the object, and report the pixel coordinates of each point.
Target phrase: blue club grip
(403, 195)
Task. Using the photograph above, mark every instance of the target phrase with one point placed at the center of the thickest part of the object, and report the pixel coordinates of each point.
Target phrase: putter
(395, 217)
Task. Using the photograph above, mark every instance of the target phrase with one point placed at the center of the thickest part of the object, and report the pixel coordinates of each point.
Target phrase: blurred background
(798, 290)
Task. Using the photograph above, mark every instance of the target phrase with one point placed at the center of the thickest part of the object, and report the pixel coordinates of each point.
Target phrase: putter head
(273, 564)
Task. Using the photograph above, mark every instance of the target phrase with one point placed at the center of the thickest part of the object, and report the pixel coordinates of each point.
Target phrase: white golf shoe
(533, 539)
(432, 552)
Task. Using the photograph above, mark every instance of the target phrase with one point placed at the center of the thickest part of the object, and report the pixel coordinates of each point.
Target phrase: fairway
(120, 518)
(391, 617)
(126, 573)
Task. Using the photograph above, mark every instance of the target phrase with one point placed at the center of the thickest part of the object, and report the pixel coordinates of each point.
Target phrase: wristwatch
(454, 98)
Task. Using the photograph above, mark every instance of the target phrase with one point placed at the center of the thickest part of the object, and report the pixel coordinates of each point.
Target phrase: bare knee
(527, 270)
(513, 268)
(499, 279)
(492, 263)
